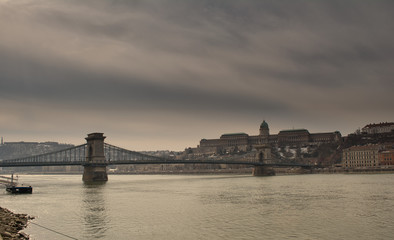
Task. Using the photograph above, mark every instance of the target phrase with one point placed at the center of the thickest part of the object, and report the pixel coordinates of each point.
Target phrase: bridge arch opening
(261, 157)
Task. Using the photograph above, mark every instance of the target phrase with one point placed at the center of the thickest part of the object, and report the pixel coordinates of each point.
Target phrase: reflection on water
(94, 210)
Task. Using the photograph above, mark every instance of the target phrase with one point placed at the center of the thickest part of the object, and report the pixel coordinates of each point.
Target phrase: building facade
(376, 128)
(386, 157)
(361, 156)
(244, 142)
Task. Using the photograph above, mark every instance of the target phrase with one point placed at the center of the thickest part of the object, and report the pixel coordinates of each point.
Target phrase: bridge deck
(123, 162)
(118, 156)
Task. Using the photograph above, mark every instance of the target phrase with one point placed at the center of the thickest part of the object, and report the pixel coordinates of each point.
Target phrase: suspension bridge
(95, 155)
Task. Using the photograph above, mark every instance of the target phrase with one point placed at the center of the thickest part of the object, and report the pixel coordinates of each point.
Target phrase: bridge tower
(263, 155)
(95, 167)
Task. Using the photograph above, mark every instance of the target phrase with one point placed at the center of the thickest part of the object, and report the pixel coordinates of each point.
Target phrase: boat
(13, 187)
(19, 189)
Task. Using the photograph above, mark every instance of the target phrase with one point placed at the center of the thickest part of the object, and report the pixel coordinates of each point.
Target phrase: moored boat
(12, 186)
(19, 189)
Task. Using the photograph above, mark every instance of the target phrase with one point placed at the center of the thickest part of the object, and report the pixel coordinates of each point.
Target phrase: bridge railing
(69, 156)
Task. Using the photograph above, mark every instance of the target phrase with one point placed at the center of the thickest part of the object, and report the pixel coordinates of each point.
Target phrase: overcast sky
(163, 74)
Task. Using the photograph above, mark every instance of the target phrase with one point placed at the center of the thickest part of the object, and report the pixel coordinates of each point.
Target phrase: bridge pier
(263, 171)
(263, 155)
(94, 173)
(95, 167)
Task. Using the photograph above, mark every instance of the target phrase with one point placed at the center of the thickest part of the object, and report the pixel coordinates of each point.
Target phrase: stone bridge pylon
(263, 155)
(95, 167)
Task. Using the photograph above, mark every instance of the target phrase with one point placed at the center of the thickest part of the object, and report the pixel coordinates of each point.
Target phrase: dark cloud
(54, 83)
(236, 61)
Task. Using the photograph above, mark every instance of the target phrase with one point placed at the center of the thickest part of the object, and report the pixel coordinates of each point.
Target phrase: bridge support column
(94, 173)
(263, 171)
(304, 170)
(95, 167)
(263, 156)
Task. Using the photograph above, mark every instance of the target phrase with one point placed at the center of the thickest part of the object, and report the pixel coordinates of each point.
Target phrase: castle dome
(264, 125)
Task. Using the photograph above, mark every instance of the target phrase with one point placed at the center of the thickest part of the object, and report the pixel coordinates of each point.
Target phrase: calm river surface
(209, 207)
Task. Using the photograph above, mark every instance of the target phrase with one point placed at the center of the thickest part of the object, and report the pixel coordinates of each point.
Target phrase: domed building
(244, 142)
(264, 129)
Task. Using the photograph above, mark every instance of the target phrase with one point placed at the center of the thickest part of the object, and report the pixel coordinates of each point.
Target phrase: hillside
(10, 150)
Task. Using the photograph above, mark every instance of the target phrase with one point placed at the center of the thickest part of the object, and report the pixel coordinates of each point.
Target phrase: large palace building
(244, 142)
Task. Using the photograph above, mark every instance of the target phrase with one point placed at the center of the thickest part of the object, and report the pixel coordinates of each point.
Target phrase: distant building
(372, 155)
(375, 128)
(361, 156)
(386, 157)
(244, 142)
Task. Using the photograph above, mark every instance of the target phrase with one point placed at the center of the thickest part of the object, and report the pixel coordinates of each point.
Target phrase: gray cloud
(205, 62)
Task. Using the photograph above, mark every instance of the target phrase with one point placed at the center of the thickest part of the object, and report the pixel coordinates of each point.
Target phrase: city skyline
(162, 75)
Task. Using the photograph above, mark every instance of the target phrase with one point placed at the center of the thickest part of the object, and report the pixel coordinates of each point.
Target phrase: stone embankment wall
(11, 224)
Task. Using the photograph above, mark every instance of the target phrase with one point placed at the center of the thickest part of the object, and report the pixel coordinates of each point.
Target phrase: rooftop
(382, 124)
(294, 130)
(364, 147)
(264, 124)
(234, 134)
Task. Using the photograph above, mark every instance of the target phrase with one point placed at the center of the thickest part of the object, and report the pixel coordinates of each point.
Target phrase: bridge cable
(65, 235)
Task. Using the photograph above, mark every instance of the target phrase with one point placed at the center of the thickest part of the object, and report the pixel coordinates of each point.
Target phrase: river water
(208, 207)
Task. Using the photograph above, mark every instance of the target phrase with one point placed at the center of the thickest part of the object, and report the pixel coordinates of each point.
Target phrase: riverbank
(11, 224)
(235, 171)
